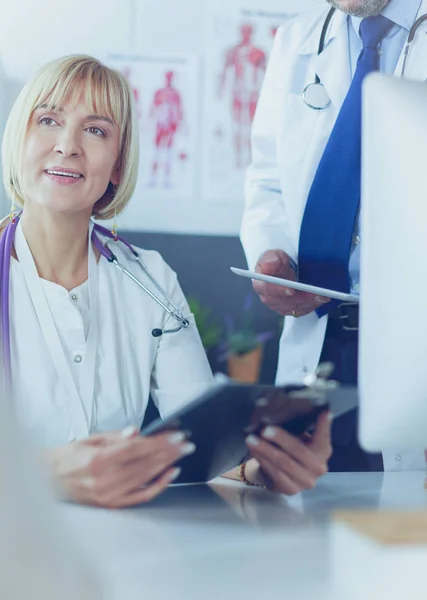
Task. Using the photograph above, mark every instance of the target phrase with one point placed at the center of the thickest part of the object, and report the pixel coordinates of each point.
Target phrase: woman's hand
(285, 463)
(118, 469)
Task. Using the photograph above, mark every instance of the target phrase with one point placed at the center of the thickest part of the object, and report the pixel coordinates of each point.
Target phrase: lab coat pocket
(297, 123)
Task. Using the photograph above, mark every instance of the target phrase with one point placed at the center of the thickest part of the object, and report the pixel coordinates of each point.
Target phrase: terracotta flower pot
(246, 367)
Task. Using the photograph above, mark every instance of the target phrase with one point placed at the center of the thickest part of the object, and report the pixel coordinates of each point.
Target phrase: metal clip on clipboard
(317, 385)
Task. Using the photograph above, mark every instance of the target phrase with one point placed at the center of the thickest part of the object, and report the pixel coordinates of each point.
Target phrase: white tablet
(296, 285)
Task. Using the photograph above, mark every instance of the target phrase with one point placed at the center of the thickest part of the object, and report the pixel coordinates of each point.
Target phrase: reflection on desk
(227, 540)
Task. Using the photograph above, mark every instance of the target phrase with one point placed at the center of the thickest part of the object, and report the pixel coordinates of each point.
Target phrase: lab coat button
(78, 358)
(398, 458)
(74, 297)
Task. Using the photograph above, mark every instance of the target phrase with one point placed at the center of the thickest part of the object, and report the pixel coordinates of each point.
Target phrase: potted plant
(209, 330)
(243, 346)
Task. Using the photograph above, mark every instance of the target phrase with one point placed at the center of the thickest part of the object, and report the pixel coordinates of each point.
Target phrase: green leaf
(210, 332)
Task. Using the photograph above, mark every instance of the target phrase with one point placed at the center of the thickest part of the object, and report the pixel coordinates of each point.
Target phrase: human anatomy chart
(167, 99)
(238, 48)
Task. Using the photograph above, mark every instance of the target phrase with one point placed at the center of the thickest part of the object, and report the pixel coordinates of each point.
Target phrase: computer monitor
(393, 308)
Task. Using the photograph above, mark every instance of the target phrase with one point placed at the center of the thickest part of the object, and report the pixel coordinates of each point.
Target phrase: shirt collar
(401, 13)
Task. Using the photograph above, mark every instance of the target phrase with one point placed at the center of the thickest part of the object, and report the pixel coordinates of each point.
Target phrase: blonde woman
(83, 346)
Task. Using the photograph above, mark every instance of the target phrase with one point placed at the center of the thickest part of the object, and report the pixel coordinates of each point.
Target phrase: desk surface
(230, 541)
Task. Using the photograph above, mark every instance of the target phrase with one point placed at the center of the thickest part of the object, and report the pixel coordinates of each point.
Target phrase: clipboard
(219, 420)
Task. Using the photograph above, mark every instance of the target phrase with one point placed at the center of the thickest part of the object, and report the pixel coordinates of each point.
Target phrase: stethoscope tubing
(6, 243)
(317, 82)
(109, 255)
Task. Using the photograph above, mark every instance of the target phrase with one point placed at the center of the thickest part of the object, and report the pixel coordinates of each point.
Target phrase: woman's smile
(64, 176)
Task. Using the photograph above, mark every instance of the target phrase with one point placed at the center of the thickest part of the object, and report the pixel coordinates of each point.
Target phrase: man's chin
(360, 8)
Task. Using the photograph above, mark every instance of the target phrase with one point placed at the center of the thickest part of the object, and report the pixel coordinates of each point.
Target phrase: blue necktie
(329, 219)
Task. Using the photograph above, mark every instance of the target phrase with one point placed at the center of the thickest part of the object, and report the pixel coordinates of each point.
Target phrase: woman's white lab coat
(130, 363)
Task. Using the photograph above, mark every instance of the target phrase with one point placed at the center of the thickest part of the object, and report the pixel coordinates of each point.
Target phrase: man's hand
(284, 301)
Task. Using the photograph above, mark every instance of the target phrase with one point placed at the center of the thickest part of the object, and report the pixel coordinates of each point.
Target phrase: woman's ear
(116, 176)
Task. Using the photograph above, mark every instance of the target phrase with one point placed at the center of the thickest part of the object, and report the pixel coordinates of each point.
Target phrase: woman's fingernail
(319, 299)
(188, 448)
(262, 402)
(176, 438)
(269, 432)
(128, 432)
(267, 420)
(330, 416)
(252, 440)
(289, 292)
(251, 428)
(175, 474)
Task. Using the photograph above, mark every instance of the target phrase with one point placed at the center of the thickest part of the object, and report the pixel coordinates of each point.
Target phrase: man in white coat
(303, 186)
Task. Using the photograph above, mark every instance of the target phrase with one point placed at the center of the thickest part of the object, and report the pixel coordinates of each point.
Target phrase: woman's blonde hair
(106, 92)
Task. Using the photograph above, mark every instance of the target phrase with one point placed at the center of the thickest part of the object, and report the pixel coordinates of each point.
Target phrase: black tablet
(219, 420)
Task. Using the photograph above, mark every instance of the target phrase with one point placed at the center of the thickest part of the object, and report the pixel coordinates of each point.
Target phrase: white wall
(35, 31)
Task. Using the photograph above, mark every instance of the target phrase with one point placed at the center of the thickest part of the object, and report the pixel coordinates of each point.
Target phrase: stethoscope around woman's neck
(6, 244)
(167, 303)
(315, 95)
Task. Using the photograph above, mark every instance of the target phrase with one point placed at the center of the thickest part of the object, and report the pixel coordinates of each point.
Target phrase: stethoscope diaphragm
(316, 97)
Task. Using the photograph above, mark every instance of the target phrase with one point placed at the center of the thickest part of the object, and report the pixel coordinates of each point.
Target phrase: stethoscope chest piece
(316, 97)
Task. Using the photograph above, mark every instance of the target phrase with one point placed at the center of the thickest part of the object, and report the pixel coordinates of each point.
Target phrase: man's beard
(360, 8)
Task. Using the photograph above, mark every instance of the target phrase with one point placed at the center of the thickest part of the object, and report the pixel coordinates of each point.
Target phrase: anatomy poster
(239, 44)
(167, 99)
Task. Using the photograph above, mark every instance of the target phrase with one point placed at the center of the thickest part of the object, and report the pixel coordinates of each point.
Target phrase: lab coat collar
(311, 24)
(417, 62)
(333, 64)
(400, 13)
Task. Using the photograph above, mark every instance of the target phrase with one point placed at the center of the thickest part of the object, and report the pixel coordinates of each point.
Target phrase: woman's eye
(47, 121)
(96, 131)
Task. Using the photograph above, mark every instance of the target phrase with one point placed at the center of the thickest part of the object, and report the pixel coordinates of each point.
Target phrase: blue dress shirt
(403, 14)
